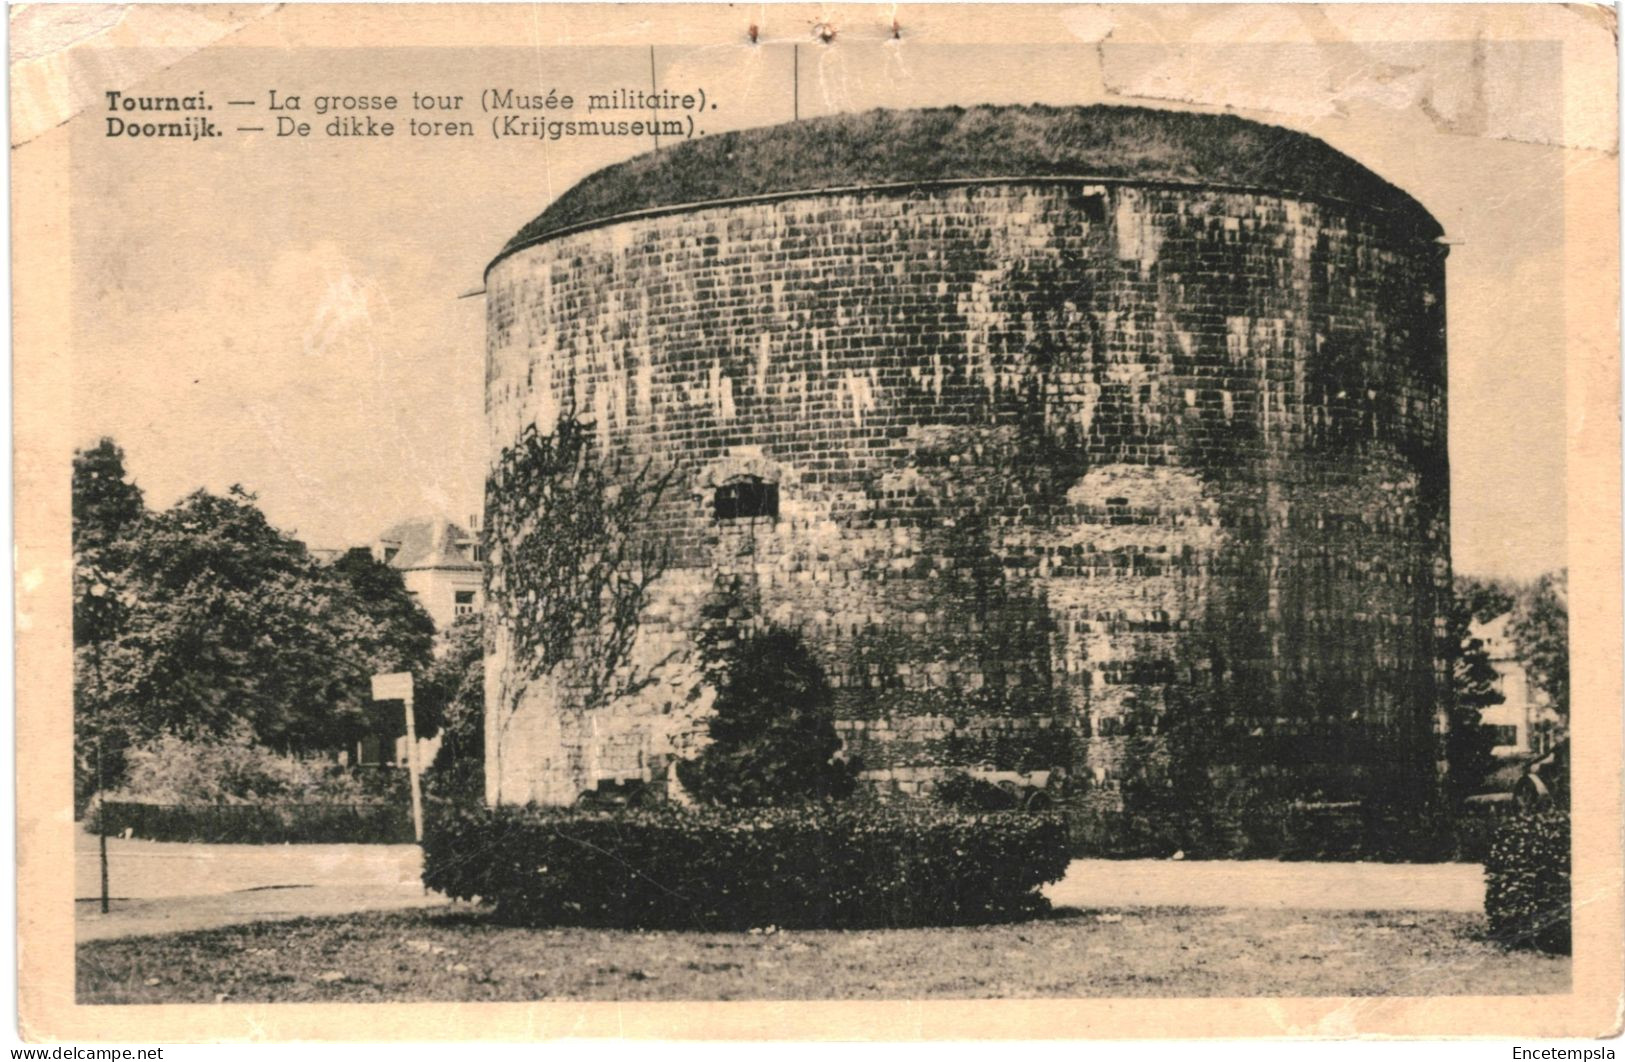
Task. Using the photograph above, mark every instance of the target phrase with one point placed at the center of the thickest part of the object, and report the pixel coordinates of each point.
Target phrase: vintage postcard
(817, 521)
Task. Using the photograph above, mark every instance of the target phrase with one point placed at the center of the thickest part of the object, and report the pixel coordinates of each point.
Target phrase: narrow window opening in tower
(747, 498)
(1091, 204)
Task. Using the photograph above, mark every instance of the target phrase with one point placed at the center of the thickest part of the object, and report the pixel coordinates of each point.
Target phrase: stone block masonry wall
(1069, 474)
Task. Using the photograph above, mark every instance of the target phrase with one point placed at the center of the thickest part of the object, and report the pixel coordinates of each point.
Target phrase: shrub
(1474, 827)
(823, 866)
(969, 793)
(773, 738)
(232, 768)
(459, 780)
(1527, 875)
(373, 783)
(454, 692)
(256, 823)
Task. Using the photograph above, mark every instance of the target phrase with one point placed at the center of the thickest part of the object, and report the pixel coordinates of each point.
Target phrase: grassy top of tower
(887, 147)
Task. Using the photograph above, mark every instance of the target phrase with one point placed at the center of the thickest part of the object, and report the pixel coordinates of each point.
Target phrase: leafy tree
(1469, 742)
(236, 620)
(773, 738)
(1484, 599)
(452, 700)
(382, 625)
(391, 630)
(212, 619)
(1541, 629)
(107, 506)
(106, 502)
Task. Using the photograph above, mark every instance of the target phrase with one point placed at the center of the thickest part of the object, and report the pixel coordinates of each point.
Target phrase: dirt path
(159, 887)
(152, 869)
(1267, 884)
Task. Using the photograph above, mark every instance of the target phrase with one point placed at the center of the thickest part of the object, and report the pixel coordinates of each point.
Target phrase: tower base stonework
(1076, 474)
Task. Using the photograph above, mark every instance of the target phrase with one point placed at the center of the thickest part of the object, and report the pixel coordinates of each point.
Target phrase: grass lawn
(458, 954)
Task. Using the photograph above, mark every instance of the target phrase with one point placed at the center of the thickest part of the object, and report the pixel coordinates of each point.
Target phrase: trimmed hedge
(1527, 897)
(821, 866)
(372, 823)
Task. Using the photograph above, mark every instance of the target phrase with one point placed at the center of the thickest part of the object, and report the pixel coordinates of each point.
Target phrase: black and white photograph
(998, 508)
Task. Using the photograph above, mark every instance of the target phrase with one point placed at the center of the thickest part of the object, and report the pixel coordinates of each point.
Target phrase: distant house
(1522, 720)
(442, 564)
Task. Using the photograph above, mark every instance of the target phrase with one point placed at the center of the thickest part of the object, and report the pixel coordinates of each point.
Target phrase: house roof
(430, 543)
(882, 147)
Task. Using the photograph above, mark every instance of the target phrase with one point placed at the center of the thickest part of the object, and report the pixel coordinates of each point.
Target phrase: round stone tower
(1100, 449)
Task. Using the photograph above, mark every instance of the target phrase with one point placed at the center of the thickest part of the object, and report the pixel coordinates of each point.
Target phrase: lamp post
(101, 813)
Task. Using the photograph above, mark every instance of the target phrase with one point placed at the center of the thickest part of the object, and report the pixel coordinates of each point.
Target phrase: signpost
(397, 686)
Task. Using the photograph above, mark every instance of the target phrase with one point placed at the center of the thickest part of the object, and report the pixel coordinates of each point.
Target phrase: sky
(293, 314)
